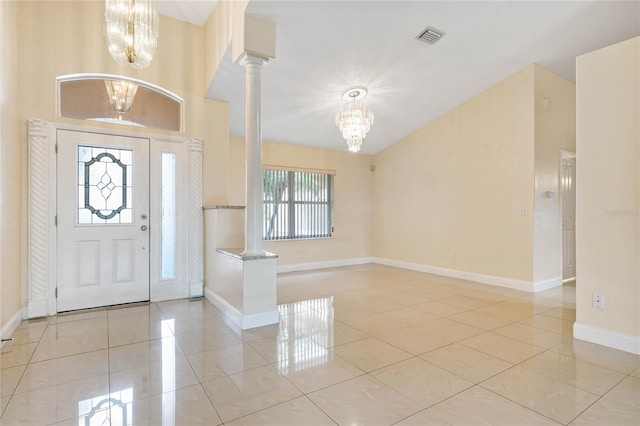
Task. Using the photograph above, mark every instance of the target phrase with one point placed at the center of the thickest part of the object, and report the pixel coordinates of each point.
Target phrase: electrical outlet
(454, 257)
(598, 301)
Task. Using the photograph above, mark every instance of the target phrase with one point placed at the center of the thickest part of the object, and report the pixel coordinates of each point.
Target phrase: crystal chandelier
(131, 31)
(121, 95)
(355, 120)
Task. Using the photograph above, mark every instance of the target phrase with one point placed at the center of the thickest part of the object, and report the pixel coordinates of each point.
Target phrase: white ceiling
(193, 11)
(323, 47)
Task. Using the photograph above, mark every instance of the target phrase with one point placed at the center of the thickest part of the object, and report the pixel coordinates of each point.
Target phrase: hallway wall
(555, 130)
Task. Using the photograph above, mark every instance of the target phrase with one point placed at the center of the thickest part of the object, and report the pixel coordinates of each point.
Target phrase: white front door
(568, 194)
(102, 220)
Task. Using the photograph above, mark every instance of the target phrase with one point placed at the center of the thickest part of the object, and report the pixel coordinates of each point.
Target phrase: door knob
(144, 227)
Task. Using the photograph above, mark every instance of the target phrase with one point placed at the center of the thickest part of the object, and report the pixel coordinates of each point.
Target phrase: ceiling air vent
(430, 35)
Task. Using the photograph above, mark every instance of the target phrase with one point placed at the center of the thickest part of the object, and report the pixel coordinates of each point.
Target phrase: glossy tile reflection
(9, 378)
(609, 412)
(299, 411)
(363, 345)
(421, 382)
(248, 392)
(308, 377)
(466, 362)
(477, 406)
(549, 397)
(59, 371)
(363, 401)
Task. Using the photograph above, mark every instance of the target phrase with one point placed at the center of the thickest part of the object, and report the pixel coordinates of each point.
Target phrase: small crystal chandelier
(121, 95)
(131, 31)
(355, 120)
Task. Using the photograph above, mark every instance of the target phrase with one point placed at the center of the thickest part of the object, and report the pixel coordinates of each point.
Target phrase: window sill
(298, 239)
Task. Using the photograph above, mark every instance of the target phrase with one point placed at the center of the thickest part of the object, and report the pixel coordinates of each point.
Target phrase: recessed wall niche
(85, 96)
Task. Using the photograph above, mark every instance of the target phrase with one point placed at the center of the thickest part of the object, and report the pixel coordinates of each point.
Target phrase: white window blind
(297, 204)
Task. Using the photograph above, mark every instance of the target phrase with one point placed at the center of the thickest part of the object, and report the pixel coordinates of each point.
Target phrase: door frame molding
(42, 208)
(564, 155)
(41, 236)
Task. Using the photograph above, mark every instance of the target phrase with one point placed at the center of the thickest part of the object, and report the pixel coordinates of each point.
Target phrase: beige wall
(221, 27)
(608, 188)
(449, 194)
(10, 172)
(352, 191)
(555, 130)
(66, 38)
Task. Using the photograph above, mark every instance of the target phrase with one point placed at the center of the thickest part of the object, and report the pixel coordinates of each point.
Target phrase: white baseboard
(11, 325)
(323, 265)
(453, 273)
(622, 342)
(260, 319)
(244, 321)
(229, 312)
(547, 284)
(37, 309)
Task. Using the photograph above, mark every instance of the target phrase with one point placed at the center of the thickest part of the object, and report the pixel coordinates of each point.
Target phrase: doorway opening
(568, 207)
(113, 218)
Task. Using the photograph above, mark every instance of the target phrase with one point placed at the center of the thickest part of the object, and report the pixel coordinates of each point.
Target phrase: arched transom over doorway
(119, 100)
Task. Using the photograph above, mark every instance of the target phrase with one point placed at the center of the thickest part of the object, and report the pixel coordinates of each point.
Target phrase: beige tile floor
(366, 345)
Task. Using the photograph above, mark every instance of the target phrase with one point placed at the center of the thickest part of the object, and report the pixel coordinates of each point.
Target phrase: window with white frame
(297, 204)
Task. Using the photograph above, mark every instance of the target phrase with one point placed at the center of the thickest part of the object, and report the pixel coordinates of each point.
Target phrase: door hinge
(56, 292)
(56, 148)
(55, 220)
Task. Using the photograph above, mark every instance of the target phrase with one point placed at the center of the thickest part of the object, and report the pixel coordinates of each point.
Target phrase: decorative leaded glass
(104, 185)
